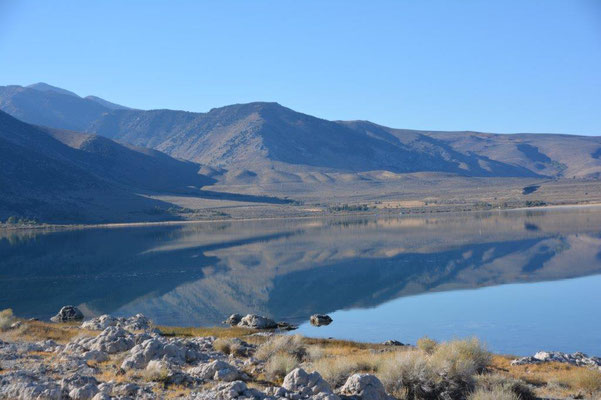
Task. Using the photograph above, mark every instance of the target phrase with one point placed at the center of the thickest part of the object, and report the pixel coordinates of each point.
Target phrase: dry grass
(218, 332)
(279, 365)
(335, 368)
(38, 330)
(291, 345)
(427, 345)
(495, 393)
(6, 319)
(494, 382)
(557, 380)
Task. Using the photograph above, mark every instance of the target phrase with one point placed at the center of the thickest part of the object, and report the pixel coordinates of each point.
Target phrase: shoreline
(106, 356)
(379, 213)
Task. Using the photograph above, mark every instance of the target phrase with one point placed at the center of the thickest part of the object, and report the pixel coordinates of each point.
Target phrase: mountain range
(87, 143)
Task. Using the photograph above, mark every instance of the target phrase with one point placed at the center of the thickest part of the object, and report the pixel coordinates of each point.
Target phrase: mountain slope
(60, 176)
(250, 142)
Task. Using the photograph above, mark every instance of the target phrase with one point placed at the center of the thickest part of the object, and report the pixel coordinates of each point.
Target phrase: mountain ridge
(270, 140)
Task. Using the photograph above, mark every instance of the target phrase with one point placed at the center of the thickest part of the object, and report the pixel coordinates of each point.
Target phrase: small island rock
(320, 320)
(68, 314)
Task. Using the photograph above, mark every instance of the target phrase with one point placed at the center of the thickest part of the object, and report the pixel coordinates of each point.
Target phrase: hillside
(61, 176)
(266, 142)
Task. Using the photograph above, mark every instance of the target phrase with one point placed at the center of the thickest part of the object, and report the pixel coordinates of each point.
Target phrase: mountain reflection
(288, 269)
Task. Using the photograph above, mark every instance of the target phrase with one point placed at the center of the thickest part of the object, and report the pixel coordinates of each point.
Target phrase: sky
(494, 66)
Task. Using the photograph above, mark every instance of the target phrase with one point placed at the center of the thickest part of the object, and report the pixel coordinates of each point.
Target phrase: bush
(588, 380)
(462, 355)
(291, 345)
(427, 345)
(496, 393)
(336, 370)
(279, 365)
(491, 382)
(447, 373)
(6, 319)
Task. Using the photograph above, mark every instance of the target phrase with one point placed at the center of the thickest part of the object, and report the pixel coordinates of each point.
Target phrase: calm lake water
(522, 281)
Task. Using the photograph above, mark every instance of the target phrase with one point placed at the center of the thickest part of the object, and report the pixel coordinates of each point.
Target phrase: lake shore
(109, 358)
(409, 212)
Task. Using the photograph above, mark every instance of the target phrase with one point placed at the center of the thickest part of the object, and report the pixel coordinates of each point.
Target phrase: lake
(521, 280)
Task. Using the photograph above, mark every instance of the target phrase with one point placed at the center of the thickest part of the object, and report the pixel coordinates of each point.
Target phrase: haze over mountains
(122, 152)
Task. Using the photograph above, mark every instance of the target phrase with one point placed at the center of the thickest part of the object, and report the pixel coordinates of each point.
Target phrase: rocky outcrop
(320, 320)
(68, 314)
(218, 371)
(364, 386)
(133, 324)
(393, 343)
(579, 359)
(299, 381)
(175, 351)
(257, 322)
(233, 320)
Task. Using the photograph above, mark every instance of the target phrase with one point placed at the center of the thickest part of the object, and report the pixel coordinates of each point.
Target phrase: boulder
(257, 322)
(68, 314)
(393, 343)
(133, 324)
(216, 370)
(579, 359)
(233, 319)
(320, 320)
(364, 386)
(298, 380)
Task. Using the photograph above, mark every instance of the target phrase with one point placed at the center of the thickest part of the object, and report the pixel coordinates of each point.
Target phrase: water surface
(522, 281)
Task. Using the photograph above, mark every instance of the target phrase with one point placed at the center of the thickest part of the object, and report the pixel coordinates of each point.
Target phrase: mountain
(63, 176)
(262, 140)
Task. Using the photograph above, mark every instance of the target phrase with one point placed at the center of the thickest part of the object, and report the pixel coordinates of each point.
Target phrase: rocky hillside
(269, 140)
(62, 176)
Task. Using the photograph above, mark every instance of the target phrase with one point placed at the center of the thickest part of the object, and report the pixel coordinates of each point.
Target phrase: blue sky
(503, 66)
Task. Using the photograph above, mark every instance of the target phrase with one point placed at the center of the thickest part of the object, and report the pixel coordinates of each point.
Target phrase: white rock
(298, 380)
(365, 386)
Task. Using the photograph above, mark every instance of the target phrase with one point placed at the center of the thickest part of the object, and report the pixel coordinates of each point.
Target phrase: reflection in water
(289, 269)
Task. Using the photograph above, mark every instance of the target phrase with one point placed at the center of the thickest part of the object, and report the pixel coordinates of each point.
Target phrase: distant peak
(44, 87)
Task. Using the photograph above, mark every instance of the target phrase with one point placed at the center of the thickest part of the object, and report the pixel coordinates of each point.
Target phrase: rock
(133, 324)
(175, 351)
(579, 359)
(26, 385)
(233, 319)
(320, 320)
(364, 386)
(16, 325)
(393, 343)
(216, 370)
(86, 392)
(285, 326)
(68, 314)
(298, 380)
(257, 322)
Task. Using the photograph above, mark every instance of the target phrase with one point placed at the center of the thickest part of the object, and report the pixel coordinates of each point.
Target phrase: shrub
(490, 382)
(462, 355)
(291, 345)
(223, 345)
(279, 365)
(496, 393)
(588, 380)
(447, 373)
(336, 370)
(427, 345)
(6, 319)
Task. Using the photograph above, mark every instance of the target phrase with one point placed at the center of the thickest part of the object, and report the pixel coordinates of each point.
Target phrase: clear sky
(498, 66)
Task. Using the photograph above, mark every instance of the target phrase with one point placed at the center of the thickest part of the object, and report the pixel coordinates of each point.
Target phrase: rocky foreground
(127, 358)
